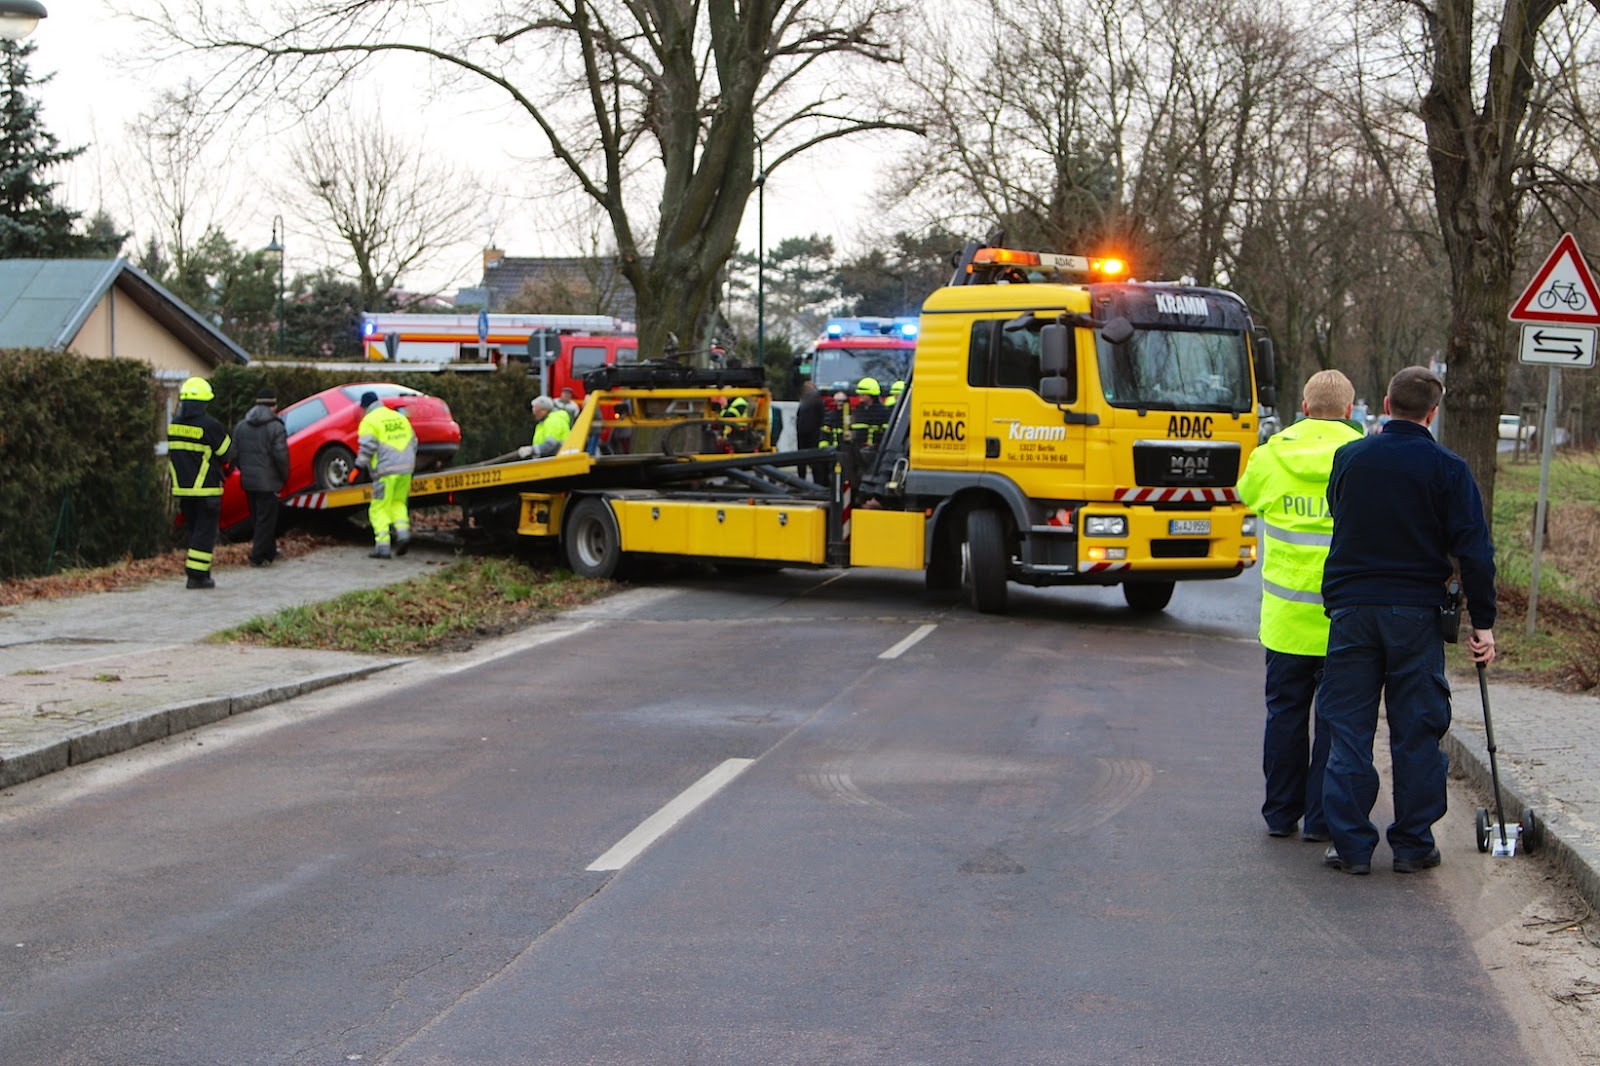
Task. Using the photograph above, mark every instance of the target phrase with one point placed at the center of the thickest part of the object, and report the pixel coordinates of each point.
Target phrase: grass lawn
(1565, 648)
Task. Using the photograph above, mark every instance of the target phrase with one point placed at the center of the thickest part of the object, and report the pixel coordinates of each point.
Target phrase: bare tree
(174, 183)
(392, 207)
(1491, 84)
(652, 108)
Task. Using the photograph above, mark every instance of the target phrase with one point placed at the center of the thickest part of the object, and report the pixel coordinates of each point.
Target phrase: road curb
(109, 738)
(1472, 762)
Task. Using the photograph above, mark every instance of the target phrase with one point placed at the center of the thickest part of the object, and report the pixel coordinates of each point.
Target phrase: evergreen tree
(32, 224)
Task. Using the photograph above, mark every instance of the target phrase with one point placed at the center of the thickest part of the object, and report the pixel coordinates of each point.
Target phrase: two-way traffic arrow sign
(1568, 346)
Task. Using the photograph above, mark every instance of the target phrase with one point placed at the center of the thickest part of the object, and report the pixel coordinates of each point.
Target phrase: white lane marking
(906, 645)
(654, 827)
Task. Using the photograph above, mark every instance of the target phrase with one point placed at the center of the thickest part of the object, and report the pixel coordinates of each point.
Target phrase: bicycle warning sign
(1562, 291)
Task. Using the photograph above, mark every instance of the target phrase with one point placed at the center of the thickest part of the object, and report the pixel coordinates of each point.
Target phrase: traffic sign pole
(1559, 310)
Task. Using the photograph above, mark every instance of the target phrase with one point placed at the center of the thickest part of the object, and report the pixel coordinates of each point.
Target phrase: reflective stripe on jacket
(388, 443)
(197, 448)
(1286, 483)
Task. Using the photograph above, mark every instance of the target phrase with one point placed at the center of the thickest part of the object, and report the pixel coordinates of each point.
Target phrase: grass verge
(473, 598)
(1564, 651)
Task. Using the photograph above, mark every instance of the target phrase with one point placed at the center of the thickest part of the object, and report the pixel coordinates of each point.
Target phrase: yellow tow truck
(1059, 428)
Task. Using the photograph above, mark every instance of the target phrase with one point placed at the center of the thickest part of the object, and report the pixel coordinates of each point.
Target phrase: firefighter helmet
(868, 387)
(196, 389)
(897, 388)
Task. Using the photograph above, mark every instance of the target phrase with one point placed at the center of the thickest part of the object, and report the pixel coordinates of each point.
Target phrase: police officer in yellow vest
(197, 449)
(1286, 484)
(389, 447)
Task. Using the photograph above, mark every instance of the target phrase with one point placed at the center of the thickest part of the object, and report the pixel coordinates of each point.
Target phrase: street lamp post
(274, 254)
(19, 17)
(761, 253)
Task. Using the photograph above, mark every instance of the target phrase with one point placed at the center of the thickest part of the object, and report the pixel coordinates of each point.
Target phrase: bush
(81, 482)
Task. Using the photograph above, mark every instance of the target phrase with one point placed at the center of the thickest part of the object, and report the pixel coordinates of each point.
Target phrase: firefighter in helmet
(736, 430)
(198, 449)
(894, 393)
(870, 416)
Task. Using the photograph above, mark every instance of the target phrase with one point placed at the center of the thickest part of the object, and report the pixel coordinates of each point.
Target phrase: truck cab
(1067, 428)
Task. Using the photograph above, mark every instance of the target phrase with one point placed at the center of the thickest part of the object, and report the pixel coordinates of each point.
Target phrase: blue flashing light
(871, 327)
(368, 328)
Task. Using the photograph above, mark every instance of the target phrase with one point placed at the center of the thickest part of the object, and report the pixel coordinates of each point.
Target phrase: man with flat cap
(263, 462)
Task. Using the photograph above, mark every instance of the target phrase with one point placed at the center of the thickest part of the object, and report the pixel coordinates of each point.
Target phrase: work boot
(380, 551)
(201, 581)
(402, 543)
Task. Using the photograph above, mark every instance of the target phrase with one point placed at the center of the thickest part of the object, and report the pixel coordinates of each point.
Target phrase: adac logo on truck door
(944, 427)
(1189, 426)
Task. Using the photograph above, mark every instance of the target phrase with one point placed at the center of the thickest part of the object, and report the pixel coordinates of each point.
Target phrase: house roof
(45, 302)
(504, 279)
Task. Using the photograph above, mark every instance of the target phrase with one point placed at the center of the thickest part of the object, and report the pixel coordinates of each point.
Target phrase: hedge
(80, 482)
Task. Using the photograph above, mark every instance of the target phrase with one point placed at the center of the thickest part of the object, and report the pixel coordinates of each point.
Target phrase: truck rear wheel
(983, 562)
(1147, 596)
(593, 543)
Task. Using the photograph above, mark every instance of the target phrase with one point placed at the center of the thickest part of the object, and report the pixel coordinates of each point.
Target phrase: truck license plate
(1179, 527)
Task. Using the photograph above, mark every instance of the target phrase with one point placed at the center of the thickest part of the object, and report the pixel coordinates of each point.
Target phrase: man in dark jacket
(263, 445)
(808, 427)
(198, 449)
(1402, 507)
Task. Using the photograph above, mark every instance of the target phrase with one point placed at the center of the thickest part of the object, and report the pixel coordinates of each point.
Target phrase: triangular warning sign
(1562, 290)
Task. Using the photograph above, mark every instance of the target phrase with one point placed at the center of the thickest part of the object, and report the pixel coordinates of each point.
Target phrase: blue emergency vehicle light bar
(368, 328)
(870, 327)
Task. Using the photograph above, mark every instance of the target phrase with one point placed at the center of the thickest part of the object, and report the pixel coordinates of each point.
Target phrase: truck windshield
(841, 368)
(1176, 370)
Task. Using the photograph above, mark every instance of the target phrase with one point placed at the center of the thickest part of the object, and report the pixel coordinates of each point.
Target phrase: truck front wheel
(983, 562)
(593, 543)
(1147, 596)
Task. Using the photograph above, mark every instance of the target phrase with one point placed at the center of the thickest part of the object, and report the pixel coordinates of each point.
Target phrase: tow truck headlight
(1247, 528)
(1105, 526)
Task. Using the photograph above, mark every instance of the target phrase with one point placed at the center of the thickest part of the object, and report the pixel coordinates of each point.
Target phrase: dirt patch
(1536, 937)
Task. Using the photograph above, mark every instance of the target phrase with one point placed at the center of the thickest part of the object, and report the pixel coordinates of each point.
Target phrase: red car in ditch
(323, 439)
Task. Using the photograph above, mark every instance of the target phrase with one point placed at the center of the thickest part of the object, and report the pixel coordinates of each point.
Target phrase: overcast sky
(95, 92)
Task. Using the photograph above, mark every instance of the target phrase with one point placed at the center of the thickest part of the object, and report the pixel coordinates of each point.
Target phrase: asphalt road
(1032, 839)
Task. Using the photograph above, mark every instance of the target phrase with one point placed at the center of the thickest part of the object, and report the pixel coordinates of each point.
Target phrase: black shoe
(380, 552)
(1416, 863)
(260, 562)
(201, 581)
(1282, 830)
(1313, 837)
(402, 544)
(1332, 861)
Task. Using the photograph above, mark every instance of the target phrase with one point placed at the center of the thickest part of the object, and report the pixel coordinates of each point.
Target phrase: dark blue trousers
(1290, 759)
(1395, 653)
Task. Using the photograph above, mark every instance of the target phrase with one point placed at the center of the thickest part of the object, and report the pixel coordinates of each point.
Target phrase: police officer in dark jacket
(263, 445)
(197, 450)
(1402, 507)
(808, 426)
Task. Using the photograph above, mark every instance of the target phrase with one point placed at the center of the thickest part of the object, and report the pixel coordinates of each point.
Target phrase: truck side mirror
(1055, 350)
(1266, 361)
(1056, 390)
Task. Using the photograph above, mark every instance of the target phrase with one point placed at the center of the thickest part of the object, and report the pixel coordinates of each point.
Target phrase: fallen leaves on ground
(130, 573)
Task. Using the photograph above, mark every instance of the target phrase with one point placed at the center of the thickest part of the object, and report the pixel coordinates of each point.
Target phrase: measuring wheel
(1532, 831)
(1483, 828)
